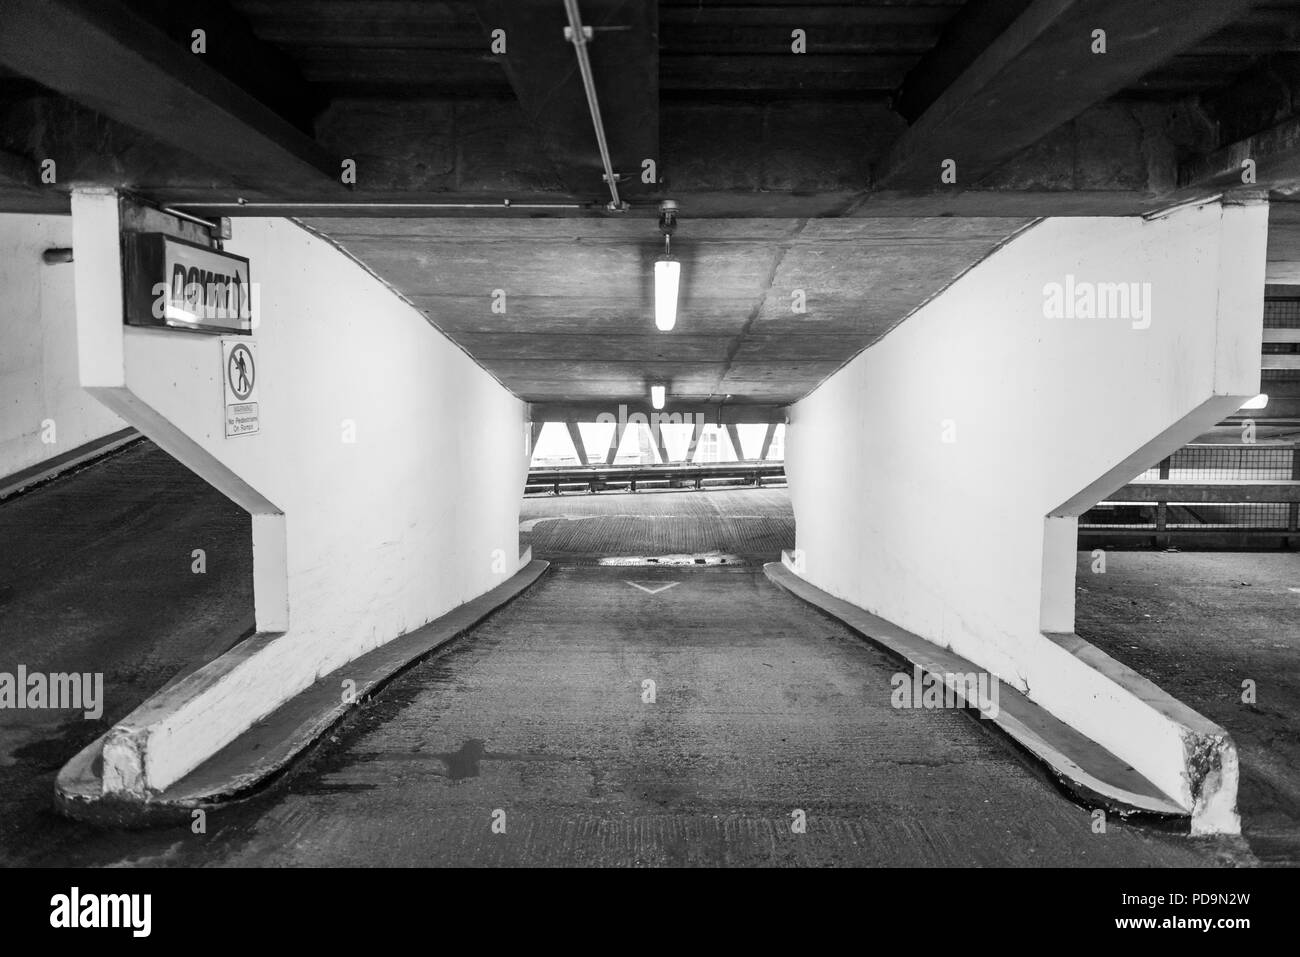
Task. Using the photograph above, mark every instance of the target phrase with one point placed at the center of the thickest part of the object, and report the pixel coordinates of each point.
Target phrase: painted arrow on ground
(651, 591)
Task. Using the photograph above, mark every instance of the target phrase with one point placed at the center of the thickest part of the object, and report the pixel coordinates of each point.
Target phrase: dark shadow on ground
(97, 574)
(1199, 624)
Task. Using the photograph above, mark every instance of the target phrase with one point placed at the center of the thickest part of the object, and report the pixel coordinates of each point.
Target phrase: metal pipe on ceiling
(244, 205)
(210, 226)
(578, 36)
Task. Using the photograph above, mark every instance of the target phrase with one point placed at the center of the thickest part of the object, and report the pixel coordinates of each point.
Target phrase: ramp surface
(763, 707)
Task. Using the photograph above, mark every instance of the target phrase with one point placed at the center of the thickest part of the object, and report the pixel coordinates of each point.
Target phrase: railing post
(1293, 513)
(1162, 518)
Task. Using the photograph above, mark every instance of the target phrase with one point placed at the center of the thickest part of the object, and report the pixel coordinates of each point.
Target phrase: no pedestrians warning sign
(239, 370)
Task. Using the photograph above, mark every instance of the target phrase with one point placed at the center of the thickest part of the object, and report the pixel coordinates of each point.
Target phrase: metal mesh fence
(1200, 463)
(1255, 515)
(1282, 313)
(1208, 463)
(1192, 517)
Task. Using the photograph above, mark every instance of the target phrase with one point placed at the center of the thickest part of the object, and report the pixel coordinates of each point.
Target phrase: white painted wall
(417, 516)
(38, 355)
(951, 540)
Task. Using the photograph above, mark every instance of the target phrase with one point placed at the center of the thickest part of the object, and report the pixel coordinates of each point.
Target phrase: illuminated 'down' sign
(181, 285)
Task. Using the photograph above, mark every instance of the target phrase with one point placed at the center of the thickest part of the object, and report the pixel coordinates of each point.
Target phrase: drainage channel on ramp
(672, 715)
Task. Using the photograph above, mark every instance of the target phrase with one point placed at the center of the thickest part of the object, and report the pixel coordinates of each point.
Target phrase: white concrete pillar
(937, 478)
(44, 414)
(384, 483)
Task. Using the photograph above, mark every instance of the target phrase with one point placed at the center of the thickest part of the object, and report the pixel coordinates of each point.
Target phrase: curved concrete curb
(265, 751)
(1094, 775)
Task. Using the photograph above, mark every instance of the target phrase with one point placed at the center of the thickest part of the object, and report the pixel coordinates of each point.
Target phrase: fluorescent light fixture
(667, 274)
(1258, 402)
(657, 396)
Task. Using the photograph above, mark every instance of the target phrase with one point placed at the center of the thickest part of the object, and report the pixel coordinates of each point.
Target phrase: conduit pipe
(578, 36)
(245, 205)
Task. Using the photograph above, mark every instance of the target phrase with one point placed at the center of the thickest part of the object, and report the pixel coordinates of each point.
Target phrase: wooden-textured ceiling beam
(1038, 74)
(542, 69)
(17, 172)
(104, 55)
(1267, 160)
(1258, 122)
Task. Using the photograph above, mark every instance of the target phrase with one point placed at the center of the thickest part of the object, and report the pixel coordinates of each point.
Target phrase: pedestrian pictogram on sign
(240, 374)
(240, 371)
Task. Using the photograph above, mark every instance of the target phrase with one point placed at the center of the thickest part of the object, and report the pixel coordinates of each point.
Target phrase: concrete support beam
(1269, 160)
(332, 474)
(535, 432)
(657, 434)
(541, 67)
(615, 441)
(733, 433)
(127, 69)
(1258, 132)
(1041, 72)
(17, 172)
(672, 412)
(791, 159)
(575, 436)
(697, 433)
(970, 530)
(972, 29)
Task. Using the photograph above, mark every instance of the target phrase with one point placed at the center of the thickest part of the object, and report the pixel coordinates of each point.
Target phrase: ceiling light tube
(667, 274)
(1258, 402)
(657, 396)
(668, 271)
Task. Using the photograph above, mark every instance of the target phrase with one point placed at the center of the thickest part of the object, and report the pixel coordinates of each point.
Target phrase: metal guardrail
(597, 478)
(1230, 512)
(1207, 493)
(1227, 492)
(1216, 504)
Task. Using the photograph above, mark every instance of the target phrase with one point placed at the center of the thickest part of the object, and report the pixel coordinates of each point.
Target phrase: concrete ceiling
(816, 170)
(579, 320)
(736, 122)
